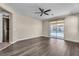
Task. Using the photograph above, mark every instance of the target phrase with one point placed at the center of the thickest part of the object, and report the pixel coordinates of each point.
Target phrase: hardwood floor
(4, 45)
(42, 46)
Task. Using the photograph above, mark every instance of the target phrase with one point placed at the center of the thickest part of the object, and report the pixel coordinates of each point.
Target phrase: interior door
(6, 29)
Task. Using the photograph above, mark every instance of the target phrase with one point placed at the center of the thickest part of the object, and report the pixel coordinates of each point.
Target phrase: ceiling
(57, 9)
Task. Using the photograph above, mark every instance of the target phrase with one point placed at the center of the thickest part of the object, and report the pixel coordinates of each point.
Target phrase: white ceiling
(58, 9)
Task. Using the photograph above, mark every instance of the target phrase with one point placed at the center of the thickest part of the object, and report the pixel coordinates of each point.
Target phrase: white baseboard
(24, 39)
(76, 41)
(46, 36)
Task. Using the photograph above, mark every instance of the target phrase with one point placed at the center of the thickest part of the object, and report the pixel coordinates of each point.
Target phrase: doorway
(57, 29)
(5, 28)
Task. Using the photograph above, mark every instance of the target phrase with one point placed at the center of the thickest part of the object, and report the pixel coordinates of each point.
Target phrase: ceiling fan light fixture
(42, 11)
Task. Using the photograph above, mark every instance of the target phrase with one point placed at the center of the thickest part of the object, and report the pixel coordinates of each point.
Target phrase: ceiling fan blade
(47, 10)
(41, 9)
(41, 14)
(37, 12)
(46, 13)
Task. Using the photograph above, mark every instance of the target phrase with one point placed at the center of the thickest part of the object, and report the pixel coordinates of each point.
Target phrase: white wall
(26, 27)
(45, 28)
(22, 27)
(1, 35)
(72, 28)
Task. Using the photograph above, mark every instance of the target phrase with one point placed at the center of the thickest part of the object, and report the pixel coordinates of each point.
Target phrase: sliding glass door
(57, 29)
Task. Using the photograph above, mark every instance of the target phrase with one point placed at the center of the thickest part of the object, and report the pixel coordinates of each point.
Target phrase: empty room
(39, 29)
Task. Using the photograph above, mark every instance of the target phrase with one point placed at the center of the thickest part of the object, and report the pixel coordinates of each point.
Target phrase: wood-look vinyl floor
(42, 46)
(4, 45)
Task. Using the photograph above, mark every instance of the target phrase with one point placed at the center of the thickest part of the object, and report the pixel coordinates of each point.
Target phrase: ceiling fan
(42, 11)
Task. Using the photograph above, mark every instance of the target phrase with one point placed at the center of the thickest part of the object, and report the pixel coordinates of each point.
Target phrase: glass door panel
(57, 29)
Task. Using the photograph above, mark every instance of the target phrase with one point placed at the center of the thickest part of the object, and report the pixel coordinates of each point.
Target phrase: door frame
(10, 23)
(3, 40)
